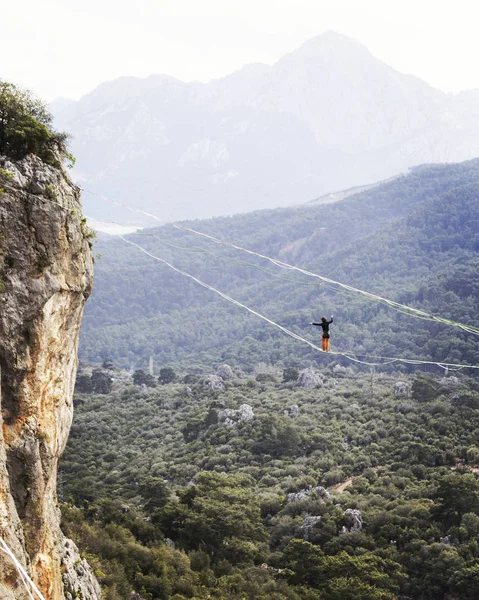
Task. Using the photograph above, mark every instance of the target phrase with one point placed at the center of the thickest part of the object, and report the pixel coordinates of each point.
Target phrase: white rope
(23, 574)
(349, 355)
(403, 308)
(413, 312)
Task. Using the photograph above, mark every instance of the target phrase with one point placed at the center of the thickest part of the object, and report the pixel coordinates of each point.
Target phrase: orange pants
(325, 344)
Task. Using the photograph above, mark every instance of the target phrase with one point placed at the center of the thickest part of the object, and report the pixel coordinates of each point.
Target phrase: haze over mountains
(327, 116)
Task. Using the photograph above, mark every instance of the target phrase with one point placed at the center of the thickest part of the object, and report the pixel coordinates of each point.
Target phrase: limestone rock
(340, 370)
(401, 388)
(45, 278)
(292, 411)
(309, 522)
(450, 382)
(310, 379)
(78, 580)
(355, 519)
(225, 372)
(213, 383)
(305, 494)
(445, 540)
(233, 417)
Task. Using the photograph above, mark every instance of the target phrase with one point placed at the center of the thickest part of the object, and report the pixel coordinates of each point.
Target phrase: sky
(66, 48)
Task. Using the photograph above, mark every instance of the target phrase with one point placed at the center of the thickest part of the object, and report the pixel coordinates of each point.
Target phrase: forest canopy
(363, 487)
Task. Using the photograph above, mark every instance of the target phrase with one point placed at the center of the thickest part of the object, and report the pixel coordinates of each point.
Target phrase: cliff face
(45, 279)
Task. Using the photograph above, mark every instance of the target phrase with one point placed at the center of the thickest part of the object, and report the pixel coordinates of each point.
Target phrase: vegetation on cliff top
(26, 127)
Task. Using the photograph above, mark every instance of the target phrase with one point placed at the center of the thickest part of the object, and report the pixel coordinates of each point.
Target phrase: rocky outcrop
(401, 388)
(225, 372)
(292, 411)
(449, 383)
(233, 417)
(355, 521)
(45, 279)
(318, 492)
(78, 581)
(213, 383)
(309, 522)
(310, 378)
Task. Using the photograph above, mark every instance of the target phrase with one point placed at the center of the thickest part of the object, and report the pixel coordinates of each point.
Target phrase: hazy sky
(66, 47)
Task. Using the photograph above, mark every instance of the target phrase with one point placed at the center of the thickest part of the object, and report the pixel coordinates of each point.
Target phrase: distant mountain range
(327, 116)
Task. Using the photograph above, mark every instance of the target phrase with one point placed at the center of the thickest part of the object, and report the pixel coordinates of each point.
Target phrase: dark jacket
(325, 325)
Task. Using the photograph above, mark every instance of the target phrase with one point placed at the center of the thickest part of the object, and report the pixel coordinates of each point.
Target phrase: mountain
(413, 239)
(60, 104)
(327, 116)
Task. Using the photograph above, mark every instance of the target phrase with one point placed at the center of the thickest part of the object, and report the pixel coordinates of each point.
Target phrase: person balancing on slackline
(325, 325)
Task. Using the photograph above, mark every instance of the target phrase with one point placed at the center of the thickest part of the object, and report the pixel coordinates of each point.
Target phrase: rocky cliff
(45, 279)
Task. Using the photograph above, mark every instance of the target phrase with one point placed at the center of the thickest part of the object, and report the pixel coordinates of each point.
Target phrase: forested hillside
(253, 467)
(277, 485)
(413, 240)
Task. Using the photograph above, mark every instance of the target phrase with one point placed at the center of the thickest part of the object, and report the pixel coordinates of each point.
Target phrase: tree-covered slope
(413, 239)
(362, 488)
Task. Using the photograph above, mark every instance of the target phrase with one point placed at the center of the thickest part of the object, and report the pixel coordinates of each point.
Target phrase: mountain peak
(333, 37)
(332, 40)
(330, 47)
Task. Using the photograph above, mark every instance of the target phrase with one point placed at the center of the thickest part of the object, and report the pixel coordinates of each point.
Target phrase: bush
(142, 378)
(167, 375)
(424, 388)
(101, 382)
(26, 127)
(290, 374)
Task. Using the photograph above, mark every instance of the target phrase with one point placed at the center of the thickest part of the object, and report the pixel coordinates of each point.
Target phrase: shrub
(167, 375)
(26, 127)
(290, 374)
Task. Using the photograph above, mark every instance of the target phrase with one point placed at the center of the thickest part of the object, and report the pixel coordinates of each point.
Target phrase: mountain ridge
(326, 116)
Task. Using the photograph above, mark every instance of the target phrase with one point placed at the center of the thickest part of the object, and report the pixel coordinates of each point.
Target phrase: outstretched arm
(331, 320)
(318, 324)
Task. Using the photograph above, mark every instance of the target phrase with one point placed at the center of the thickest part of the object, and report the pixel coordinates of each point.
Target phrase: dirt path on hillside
(473, 469)
(340, 487)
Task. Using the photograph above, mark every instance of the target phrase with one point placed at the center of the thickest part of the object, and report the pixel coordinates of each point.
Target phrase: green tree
(167, 375)
(466, 582)
(276, 436)
(83, 384)
(101, 382)
(142, 378)
(424, 388)
(222, 517)
(342, 577)
(154, 491)
(290, 374)
(456, 496)
(26, 127)
(352, 588)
